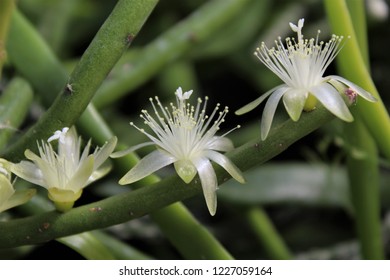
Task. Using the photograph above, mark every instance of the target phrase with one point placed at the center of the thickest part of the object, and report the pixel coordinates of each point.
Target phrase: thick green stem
(108, 45)
(124, 207)
(169, 46)
(267, 234)
(352, 65)
(6, 8)
(362, 159)
(14, 105)
(95, 245)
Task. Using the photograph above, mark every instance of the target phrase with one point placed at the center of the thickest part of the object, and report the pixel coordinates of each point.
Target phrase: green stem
(124, 207)
(6, 8)
(87, 245)
(121, 250)
(108, 45)
(351, 64)
(194, 240)
(92, 245)
(267, 234)
(363, 172)
(35, 61)
(362, 159)
(54, 24)
(14, 105)
(358, 18)
(169, 46)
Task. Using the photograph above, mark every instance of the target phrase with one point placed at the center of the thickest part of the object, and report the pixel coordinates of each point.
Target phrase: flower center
(302, 62)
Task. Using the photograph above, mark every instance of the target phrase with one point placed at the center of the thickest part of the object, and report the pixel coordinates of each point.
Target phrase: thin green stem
(87, 245)
(121, 250)
(358, 18)
(124, 207)
(362, 162)
(171, 45)
(54, 24)
(362, 159)
(6, 9)
(35, 61)
(194, 240)
(14, 106)
(108, 45)
(351, 64)
(267, 234)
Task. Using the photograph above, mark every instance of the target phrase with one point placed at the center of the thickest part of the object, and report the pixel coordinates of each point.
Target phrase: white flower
(66, 173)
(59, 135)
(8, 196)
(185, 136)
(301, 66)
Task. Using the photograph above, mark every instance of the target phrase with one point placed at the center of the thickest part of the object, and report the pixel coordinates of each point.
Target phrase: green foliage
(94, 64)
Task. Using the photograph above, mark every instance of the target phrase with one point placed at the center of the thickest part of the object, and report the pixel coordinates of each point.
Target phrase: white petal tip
(349, 119)
(212, 207)
(293, 27)
(124, 182)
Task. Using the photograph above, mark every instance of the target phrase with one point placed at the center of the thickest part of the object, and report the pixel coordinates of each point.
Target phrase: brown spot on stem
(129, 39)
(95, 209)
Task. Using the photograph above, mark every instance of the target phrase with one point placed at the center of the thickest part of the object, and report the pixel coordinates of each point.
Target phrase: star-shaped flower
(65, 173)
(185, 136)
(301, 65)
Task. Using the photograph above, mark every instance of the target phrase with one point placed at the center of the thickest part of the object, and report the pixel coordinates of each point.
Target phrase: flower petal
(222, 144)
(332, 101)
(70, 147)
(252, 105)
(119, 154)
(294, 101)
(18, 198)
(6, 190)
(363, 93)
(149, 164)
(105, 152)
(80, 178)
(269, 110)
(29, 172)
(209, 183)
(100, 172)
(227, 164)
(48, 171)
